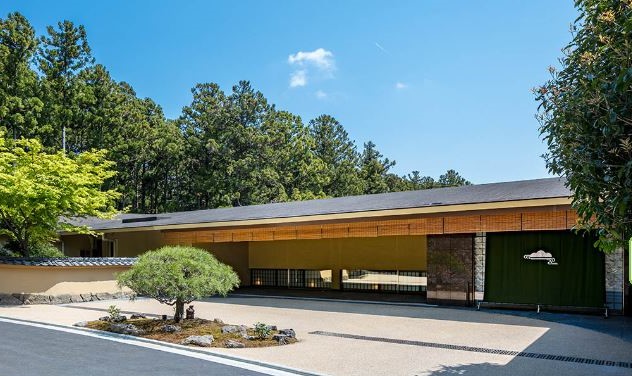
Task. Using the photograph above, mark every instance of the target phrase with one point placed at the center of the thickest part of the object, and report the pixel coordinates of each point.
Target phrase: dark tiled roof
(471, 194)
(69, 261)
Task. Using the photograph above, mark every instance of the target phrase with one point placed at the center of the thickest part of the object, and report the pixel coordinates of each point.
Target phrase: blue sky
(435, 84)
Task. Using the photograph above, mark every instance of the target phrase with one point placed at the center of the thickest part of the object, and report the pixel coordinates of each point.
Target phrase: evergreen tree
(339, 154)
(20, 105)
(63, 54)
(374, 169)
(452, 179)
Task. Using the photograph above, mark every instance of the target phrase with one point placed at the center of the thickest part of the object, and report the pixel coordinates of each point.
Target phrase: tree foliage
(39, 188)
(178, 275)
(586, 118)
(20, 104)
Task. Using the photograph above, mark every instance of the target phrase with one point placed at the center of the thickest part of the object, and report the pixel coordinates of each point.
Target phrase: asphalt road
(31, 351)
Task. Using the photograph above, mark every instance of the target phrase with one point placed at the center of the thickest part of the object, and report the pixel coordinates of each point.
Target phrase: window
(384, 280)
(293, 278)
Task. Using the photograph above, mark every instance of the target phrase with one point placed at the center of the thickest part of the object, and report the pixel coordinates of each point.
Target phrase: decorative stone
(7, 299)
(243, 330)
(137, 316)
(130, 329)
(190, 313)
(282, 339)
(218, 321)
(39, 299)
(64, 298)
(272, 327)
(119, 318)
(81, 324)
(229, 329)
(202, 341)
(231, 344)
(104, 318)
(171, 328)
(288, 332)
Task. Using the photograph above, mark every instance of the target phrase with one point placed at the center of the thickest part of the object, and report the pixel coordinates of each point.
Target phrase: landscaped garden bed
(178, 275)
(195, 332)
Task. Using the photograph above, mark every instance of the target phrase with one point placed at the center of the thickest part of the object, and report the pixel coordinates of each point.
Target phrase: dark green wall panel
(577, 280)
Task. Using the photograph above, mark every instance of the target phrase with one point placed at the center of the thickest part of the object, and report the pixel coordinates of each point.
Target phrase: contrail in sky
(382, 48)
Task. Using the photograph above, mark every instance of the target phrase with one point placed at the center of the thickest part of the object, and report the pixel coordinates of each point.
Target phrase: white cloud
(321, 94)
(400, 85)
(319, 62)
(320, 58)
(298, 78)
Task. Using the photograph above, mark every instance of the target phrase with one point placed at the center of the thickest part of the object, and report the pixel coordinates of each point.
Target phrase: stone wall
(480, 247)
(450, 269)
(614, 280)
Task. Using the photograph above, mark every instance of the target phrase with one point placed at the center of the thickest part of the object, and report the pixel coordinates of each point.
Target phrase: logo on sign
(541, 256)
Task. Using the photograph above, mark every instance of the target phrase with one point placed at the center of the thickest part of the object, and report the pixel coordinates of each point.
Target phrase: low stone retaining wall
(22, 299)
(59, 281)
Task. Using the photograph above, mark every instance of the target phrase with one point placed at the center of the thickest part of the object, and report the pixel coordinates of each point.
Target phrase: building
(503, 243)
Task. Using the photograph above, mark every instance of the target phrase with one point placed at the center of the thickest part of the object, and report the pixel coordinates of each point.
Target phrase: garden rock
(243, 330)
(171, 328)
(282, 339)
(81, 324)
(218, 321)
(119, 318)
(229, 329)
(272, 327)
(288, 332)
(202, 341)
(137, 316)
(104, 318)
(231, 344)
(130, 329)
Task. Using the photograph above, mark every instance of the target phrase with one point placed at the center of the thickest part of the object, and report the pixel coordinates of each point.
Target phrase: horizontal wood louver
(262, 235)
(223, 236)
(309, 232)
(426, 226)
(462, 224)
(242, 236)
(204, 237)
(389, 228)
(571, 218)
(285, 233)
(331, 231)
(363, 230)
(544, 221)
(452, 224)
(501, 223)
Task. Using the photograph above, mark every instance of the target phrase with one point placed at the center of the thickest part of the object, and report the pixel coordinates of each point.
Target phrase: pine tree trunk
(179, 311)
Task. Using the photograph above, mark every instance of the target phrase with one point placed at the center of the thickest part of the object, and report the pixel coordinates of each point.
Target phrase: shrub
(178, 275)
(114, 312)
(262, 330)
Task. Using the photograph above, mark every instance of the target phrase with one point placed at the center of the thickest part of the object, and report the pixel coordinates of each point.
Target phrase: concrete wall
(132, 244)
(233, 254)
(380, 253)
(48, 282)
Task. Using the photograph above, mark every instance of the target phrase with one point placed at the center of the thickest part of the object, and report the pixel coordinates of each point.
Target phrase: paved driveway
(32, 351)
(342, 338)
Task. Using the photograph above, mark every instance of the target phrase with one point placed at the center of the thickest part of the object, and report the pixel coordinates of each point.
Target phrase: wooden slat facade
(452, 224)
